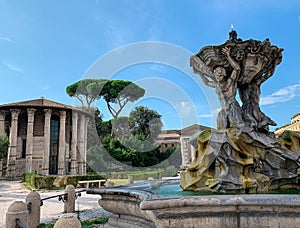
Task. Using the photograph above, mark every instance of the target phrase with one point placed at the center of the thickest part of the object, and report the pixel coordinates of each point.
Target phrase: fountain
(233, 163)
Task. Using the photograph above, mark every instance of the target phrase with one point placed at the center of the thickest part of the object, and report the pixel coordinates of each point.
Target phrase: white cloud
(206, 115)
(153, 32)
(13, 67)
(282, 95)
(46, 87)
(5, 39)
(184, 108)
(213, 113)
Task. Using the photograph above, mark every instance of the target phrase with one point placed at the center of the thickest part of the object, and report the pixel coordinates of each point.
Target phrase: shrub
(46, 182)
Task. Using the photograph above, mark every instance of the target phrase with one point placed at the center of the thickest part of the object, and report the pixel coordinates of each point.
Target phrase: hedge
(37, 181)
(141, 175)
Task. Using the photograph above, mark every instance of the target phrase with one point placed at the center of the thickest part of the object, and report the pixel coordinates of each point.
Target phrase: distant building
(45, 137)
(293, 126)
(182, 138)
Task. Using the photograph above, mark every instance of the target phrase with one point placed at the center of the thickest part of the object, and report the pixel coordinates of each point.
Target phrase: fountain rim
(151, 201)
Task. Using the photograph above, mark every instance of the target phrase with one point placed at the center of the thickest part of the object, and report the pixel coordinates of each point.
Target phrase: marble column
(47, 141)
(73, 170)
(193, 152)
(12, 150)
(62, 144)
(81, 144)
(2, 121)
(85, 144)
(29, 139)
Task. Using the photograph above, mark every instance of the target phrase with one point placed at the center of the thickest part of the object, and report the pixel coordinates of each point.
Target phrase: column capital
(14, 113)
(74, 114)
(30, 112)
(63, 113)
(48, 111)
(3, 114)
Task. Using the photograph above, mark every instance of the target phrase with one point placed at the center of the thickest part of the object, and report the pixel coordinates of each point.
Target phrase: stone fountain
(240, 157)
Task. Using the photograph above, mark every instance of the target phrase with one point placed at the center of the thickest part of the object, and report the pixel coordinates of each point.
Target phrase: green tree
(3, 145)
(104, 128)
(145, 122)
(122, 127)
(93, 125)
(117, 93)
(86, 90)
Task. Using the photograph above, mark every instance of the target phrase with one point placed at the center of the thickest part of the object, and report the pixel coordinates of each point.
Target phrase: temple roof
(194, 128)
(40, 103)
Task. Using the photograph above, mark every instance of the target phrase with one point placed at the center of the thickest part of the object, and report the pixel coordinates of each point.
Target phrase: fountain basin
(136, 206)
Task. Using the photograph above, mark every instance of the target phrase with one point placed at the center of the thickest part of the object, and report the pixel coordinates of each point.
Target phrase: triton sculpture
(242, 155)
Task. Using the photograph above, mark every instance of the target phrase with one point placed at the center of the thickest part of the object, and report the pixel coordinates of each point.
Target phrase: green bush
(141, 175)
(3, 145)
(37, 181)
(44, 182)
(29, 179)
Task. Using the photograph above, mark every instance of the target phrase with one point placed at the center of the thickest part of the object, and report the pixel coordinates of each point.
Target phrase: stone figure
(242, 155)
(226, 87)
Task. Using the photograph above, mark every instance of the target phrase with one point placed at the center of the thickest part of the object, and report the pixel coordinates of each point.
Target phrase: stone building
(293, 126)
(45, 137)
(182, 138)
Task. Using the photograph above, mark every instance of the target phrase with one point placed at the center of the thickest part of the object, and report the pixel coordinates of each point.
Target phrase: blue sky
(47, 45)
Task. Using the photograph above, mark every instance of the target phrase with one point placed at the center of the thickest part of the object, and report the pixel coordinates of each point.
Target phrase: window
(23, 148)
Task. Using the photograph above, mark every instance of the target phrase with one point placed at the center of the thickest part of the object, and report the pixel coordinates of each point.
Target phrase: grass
(85, 224)
(88, 224)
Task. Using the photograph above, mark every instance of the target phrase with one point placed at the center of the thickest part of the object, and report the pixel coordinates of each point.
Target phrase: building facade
(182, 138)
(293, 126)
(45, 137)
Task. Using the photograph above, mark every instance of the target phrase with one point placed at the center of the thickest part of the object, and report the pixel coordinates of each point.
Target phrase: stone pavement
(52, 209)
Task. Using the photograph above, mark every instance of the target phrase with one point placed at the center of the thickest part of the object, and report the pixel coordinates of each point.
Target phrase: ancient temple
(45, 137)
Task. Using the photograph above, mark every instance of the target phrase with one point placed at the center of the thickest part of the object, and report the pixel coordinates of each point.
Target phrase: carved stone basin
(135, 206)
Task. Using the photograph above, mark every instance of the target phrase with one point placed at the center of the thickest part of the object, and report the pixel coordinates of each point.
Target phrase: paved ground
(52, 209)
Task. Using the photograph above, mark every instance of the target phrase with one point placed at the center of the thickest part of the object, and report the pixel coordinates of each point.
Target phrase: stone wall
(38, 147)
(39, 120)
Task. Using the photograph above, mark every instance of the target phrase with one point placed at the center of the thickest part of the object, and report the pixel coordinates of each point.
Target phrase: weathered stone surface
(240, 160)
(68, 221)
(242, 155)
(135, 206)
(290, 140)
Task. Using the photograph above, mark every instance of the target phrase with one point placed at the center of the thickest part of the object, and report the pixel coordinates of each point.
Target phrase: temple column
(193, 152)
(2, 121)
(12, 150)
(62, 144)
(81, 145)
(47, 141)
(85, 144)
(29, 139)
(73, 170)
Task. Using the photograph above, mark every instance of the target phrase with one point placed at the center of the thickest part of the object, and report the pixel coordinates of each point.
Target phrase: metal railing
(62, 197)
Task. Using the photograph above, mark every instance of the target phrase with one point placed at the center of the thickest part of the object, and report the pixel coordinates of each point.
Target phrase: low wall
(136, 207)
